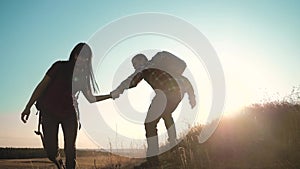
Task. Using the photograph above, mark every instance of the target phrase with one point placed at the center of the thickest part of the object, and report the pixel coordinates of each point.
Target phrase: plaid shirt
(158, 79)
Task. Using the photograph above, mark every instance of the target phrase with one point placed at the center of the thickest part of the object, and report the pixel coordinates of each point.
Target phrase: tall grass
(261, 136)
(264, 135)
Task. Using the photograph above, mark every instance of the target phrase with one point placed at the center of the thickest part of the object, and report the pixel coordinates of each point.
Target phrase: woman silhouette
(56, 98)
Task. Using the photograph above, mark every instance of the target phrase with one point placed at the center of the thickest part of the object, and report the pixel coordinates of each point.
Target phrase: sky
(257, 43)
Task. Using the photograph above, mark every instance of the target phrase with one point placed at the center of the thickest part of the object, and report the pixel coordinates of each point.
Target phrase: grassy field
(83, 162)
(86, 159)
(261, 136)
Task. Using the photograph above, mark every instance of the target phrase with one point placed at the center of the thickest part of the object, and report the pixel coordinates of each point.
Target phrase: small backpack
(168, 62)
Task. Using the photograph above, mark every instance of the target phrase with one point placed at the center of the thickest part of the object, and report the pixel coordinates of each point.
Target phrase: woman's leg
(70, 126)
(50, 131)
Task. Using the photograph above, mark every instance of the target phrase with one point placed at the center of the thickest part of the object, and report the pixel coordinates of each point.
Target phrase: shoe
(60, 164)
(148, 165)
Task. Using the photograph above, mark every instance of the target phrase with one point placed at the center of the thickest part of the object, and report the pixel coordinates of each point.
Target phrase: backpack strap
(75, 104)
(38, 131)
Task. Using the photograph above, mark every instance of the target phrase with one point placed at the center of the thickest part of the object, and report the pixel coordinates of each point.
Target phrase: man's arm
(130, 82)
(188, 88)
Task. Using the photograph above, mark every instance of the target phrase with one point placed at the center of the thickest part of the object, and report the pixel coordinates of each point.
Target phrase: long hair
(81, 57)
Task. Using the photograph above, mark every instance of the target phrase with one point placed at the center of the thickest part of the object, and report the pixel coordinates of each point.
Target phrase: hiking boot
(59, 164)
(148, 165)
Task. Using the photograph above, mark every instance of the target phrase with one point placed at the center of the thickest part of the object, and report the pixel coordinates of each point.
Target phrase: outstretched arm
(128, 83)
(92, 99)
(35, 95)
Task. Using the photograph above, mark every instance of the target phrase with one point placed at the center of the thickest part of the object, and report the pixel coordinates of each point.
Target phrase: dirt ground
(101, 162)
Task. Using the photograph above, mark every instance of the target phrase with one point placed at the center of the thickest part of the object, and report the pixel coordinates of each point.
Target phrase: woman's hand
(25, 115)
(35, 95)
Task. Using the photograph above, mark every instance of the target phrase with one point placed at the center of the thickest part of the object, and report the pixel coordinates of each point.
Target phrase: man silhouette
(169, 91)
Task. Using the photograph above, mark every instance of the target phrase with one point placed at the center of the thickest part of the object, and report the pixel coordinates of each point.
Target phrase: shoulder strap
(75, 104)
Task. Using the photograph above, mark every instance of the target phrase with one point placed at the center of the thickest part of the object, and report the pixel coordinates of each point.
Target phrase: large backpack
(168, 62)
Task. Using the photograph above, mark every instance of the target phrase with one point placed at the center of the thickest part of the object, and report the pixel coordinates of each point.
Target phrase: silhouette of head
(81, 57)
(139, 60)
(81, 52)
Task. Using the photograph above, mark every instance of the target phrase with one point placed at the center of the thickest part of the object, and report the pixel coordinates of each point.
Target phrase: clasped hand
(115, 94)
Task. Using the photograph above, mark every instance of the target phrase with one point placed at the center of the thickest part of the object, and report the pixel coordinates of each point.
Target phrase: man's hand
(192, 102)
(25, 115)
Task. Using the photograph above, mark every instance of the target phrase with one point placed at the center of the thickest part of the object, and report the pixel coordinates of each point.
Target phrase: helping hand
(115, 94)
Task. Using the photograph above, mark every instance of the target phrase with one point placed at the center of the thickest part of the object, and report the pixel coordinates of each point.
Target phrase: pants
(69, 126)
(161, 106)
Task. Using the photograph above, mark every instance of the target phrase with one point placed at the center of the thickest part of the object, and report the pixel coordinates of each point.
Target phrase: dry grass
(87, 162)
(262, 136)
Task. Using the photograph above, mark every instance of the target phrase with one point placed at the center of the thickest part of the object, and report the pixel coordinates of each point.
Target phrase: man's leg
(152, 139)
(70, 126)
(173, 100)
(50, 131)
(170, 126)
(152, 142)
(155, 111)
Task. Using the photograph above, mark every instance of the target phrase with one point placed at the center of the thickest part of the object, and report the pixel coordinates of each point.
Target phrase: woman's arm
(35, 95)
(92, 99)
(102, 97)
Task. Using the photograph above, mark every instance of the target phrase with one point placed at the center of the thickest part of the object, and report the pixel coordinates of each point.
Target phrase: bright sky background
(257, 42)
